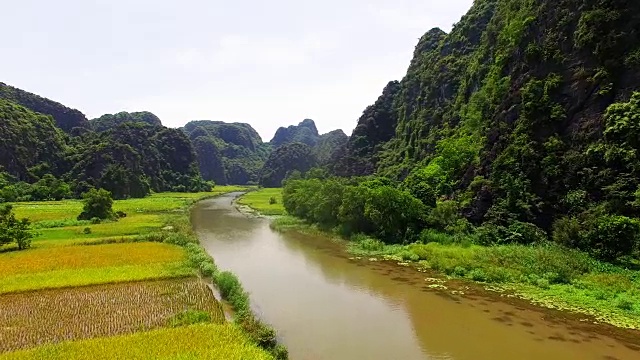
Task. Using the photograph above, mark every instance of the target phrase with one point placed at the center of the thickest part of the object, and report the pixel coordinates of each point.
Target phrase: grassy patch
(264, 201)
(84, 265)
(195, 342)
(30, 319)
(547, 274)
(550, 275)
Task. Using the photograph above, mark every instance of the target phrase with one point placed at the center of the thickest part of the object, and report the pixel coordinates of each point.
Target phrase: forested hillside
(298, 149)
(523, 112)
(108, 121)
(64, 117)
(130, 155)
(228, 153)
(31, 144)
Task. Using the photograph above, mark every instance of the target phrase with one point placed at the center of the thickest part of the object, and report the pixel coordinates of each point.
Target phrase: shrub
(459, 271)
(87, 230)
(567, 232)
(490, 234)
(97, 204)
(273, 200)
(543, 283)
(477, 275)
(444, 216)
(434, 236)
(613, 236)
(624, 303)
(231, 289)
(367, 243)
(524, 233)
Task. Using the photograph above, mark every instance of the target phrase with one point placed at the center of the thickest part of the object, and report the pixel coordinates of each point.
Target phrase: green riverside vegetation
(436, 239)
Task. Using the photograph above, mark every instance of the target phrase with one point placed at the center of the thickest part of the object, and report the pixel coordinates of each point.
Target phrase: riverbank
(265, 201)
(546, 275)
(150, 254)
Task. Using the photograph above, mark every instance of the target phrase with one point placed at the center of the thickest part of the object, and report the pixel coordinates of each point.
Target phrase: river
(325, 305)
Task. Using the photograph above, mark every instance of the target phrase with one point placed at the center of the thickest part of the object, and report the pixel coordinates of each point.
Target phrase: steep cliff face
(305, 132)
(507, 112)
(64, 117)
(376, 127)
(236, 146)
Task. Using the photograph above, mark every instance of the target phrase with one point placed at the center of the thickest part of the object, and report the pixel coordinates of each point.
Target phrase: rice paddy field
(30, 318)
(201, 342)
(261, 201)
(83, 288)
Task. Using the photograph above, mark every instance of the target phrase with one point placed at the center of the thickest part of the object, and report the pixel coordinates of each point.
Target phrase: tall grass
(547, 273)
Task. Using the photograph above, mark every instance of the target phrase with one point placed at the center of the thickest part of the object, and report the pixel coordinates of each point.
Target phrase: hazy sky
(268, 63)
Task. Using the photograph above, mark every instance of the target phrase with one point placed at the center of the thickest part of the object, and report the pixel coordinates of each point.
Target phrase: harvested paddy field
(32, 318)
(202, 342)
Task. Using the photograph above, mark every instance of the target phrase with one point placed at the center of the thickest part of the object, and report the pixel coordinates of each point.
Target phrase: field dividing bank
(546, 275)
(266, 201)
(201, 342)
(32, 318)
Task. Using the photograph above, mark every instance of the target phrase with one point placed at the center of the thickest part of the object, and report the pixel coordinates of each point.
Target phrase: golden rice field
(51, 316)
(85, 265)
(105, 296)
(195, 342)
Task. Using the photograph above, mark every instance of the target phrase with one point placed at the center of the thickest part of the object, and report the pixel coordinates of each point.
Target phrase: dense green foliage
(396, 213)
(98, 204)
(234, 148)
(523, 116)
(14, 230)
(47, 188)
(109, 121)
(374, 207)
(284, 160)
(65, 118)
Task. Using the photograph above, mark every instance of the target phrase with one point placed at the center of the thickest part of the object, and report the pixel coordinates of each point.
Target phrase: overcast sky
(269, 63)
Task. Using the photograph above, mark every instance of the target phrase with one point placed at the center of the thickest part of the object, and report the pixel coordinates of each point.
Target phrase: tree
(14, 230)
(97, 204)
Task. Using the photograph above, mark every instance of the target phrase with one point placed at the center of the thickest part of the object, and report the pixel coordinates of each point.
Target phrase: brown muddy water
(326, 306)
